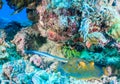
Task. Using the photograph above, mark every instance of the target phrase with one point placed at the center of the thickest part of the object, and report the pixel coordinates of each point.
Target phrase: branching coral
(42, 77)
(84, 29)
(9, 69)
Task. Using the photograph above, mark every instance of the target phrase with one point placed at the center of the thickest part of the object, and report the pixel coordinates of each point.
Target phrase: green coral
(114, 31)
(70, 53)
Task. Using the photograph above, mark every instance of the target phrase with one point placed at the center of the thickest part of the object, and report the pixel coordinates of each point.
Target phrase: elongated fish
(46, 55)
(74, 67)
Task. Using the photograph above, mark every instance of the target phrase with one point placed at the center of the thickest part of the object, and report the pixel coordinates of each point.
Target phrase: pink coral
(41, 9)
(2, 36)
(37, 60)
(19, 41)
(55, 36)
(1, 41)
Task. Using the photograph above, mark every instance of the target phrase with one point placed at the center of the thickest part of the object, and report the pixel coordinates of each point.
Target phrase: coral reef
(28, 38)
(3, 53)
(114, 31)
(15, 72)
(18, 73)
(96, 38)
(37, 60)
(11, 30)
(69, 40)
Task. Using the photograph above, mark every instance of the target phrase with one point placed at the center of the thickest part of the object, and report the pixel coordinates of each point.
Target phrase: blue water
(5, 16)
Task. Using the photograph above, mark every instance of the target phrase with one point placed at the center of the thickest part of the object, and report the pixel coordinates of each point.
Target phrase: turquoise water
(6, 15)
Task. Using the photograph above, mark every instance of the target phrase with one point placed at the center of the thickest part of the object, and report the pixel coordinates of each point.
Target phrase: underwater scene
(59, 41)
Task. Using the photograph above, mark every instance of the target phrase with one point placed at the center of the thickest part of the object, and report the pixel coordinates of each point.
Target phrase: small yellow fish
(80, 68)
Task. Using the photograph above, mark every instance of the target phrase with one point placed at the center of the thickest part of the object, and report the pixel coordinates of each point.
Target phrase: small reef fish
(46, 55)
(81, 69)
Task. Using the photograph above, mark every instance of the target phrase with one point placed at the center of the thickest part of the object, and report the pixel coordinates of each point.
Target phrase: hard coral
(37, 60)
(3, 53)
(96, 38)
(12, 69)
(28, 38)
(2, 36)
(54, 36)
(11, 29)
(19, 40)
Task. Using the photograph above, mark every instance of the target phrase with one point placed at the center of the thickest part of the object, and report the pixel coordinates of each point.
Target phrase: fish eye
(79, 64)
(3, 51)
(63, 62)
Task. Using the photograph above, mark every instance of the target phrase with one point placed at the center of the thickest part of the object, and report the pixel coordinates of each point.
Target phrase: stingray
(75, 67)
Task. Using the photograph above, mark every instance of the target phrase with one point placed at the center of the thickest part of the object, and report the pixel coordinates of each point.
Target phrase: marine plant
(113, 31)
(70, 53)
